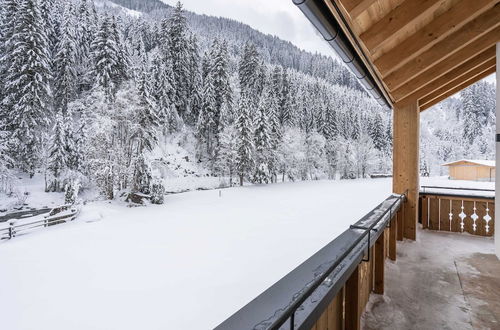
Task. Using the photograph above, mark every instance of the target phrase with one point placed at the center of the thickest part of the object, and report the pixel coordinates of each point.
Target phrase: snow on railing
(22, 226)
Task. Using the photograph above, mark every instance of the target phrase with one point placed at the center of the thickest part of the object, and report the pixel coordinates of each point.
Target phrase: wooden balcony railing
(458, 210)
(330, 290)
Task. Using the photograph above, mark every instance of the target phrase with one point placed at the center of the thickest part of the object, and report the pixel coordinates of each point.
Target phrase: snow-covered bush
(157, 192)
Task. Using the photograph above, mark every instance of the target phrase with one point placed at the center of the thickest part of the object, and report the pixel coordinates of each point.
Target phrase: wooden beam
(487, 66)
(430, 34)
(379, 264)
(406, 162)
(390, 25)
(357, 7)
(457, 89)
(352, 310)
(471, 31)
(393, 237)
(486, 58)
(455, 60)
(400, 225)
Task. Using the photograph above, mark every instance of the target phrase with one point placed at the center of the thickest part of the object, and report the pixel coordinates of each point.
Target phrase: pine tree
(219, 70)
(249, 73)
(86, 29)
(262, 145)
(245, 146)
(27, 92)
(226, 157)
(175, 37)
(65, 64)
(58, 156)
(194, 81)
(206, 126)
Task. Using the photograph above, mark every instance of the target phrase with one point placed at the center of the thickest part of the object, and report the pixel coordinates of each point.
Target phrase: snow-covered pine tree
(206, 126)
(86, 29)
(58, 156)
(147, 113)
(27, 91)
(65, 63)
(245, 145)
(194, 82)
(249, 73)
(226, 156)
(122, 61)
(377, 132)
(219, 70)
(262, 144)
(175, 37)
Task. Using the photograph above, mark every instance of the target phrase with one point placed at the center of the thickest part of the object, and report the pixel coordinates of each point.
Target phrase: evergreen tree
(262, 145)
(65, 65)
(206, 126)
(249, 72)
(245, 146)
(58, 156)
(27, 93)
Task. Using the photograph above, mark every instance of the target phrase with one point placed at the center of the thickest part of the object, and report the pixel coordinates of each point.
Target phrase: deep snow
(187, 264)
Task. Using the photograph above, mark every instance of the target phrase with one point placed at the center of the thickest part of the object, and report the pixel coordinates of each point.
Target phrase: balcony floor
(441, 281)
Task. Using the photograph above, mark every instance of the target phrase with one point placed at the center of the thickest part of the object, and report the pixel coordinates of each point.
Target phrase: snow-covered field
(187, 264)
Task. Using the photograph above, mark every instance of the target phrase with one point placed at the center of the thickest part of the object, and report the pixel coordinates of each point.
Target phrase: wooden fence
(470, 214)
(56, 216)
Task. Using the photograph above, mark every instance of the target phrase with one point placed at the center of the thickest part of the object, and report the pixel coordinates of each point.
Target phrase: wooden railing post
(393, 237)
(11, 230)
(379, 264)
(352, 310)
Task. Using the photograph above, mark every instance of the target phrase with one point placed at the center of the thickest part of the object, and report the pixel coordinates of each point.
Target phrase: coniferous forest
(94, 95)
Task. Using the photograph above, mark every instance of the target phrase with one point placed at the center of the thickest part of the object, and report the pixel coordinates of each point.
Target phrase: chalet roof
(422, 51)
(489, 163)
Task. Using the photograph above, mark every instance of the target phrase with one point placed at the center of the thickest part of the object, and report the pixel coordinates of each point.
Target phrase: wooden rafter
(457, 89)
(450, 85)
(445, 24)
(458, 58)
(357, 7)
(461, 38)
(389, 26)
(458, 73)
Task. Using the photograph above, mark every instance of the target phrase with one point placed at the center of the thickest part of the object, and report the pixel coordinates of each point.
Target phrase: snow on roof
(490, 163)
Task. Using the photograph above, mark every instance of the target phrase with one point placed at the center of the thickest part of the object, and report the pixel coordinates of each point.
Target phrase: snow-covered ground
(443, 181)
(187, 264)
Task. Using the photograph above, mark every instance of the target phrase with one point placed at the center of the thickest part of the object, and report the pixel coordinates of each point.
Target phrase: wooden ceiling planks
(424, 49)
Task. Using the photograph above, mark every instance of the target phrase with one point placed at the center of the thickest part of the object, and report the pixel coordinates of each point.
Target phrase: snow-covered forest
(125, 98)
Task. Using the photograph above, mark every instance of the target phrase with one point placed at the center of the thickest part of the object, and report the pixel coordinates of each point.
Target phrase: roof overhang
(412, 51)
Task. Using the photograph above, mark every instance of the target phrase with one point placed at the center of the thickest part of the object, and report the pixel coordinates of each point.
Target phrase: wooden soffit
(422, 50)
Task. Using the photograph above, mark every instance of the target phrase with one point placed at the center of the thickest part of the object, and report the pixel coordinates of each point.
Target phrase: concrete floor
(441, 281)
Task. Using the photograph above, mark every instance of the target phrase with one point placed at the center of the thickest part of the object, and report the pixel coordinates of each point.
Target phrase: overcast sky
(277, 17)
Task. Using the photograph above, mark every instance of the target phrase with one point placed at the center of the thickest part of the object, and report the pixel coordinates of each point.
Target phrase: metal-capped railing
(298, 299)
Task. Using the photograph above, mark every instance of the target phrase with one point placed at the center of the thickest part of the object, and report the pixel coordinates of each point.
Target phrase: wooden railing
(58, 215)
(462, 211)
(330, 290)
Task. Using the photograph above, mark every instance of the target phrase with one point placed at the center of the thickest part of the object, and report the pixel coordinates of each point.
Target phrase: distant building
(473, 170)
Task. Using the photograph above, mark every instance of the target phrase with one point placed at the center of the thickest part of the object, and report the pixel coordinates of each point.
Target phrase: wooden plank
(336, 312)
(485, 67)
(393, 239)
(322, 323)
(468, 210)
(444, 214)
(430, 34)
(425, 212)
(356, 7)
(463, 55)
(379, 264)
(434, 213)
(473, 30)
(457, 74)
(389, 27)
(491, 206)
(456, 209)
(352, 310)
(457, 89)
(405, 162)
(480, 223)
(399, 223)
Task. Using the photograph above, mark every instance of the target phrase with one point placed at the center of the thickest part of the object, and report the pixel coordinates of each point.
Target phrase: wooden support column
(352, 310)
(392, 238)
(497, 157)
(379, 264)
(399, 220)
(406, 162)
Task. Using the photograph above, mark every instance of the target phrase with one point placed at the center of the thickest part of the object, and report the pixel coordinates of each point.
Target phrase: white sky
(277, 17)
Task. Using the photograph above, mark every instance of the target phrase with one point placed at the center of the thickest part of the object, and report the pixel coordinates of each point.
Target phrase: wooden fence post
(11, 230)
(379, 264)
